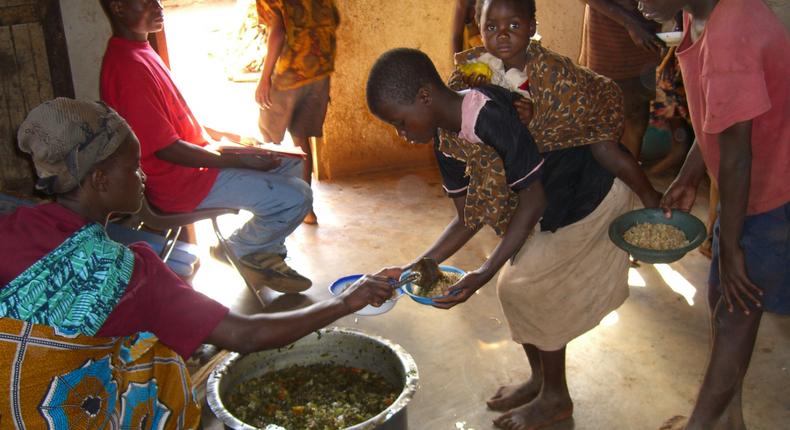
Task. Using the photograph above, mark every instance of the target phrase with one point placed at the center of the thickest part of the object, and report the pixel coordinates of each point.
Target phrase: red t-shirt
(136, 83)
(739, 70)
(156, 300)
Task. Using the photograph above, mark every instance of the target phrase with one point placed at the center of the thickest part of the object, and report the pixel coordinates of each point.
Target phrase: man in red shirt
(735, 59)
(182, 174)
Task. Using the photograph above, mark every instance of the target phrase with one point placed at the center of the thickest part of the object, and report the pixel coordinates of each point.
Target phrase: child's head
(400, 90)
(85, 149)
(661, 11)
(135, 16)
(506, 27)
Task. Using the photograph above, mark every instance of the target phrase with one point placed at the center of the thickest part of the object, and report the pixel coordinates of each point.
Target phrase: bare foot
(508, 397)
(675, 423)
(310, 218)
(537, 414)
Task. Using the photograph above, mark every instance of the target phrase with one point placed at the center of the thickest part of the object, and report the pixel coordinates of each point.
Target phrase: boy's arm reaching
(532, 203)
(622, 164)
(632, 22)
(454, 237)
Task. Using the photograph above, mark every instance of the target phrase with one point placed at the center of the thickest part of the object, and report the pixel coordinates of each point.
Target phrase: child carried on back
(564, 105)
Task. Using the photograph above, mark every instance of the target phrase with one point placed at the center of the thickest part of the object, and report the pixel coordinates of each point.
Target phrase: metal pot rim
(410, 382)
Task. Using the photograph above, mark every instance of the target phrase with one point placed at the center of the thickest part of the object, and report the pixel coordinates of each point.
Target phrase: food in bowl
(440, 287)
(313, 397)
(656, 236)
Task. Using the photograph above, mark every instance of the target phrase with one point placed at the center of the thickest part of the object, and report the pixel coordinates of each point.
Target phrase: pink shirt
(136, 83)
(739, 70)
(155, 300)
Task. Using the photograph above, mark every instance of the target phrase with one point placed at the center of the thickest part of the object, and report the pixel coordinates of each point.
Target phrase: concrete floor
(642, 365)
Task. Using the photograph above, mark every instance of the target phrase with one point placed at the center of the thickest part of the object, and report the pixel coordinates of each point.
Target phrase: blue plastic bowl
(409, 288)
(691, 226)
(341, 284)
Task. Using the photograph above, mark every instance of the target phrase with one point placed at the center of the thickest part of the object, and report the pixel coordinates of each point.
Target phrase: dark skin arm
(532, 203)
(734, 176)
(187, 154)
(274, 47)
(453, 238)
(637, 27)
(458, 26)
(250, 333)
(622, 164)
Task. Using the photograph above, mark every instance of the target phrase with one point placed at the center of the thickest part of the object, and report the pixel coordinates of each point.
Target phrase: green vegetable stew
(315, 397)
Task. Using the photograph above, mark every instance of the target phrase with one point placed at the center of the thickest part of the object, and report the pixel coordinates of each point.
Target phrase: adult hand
(678, 196)
(259, 161)
(371, 289)
(461, 291)
(525, 109)
(475, 80)
(645, 39)
(735, 284)
(263, 93)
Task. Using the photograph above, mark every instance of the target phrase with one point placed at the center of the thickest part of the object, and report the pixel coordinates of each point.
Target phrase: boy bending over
(496, 176)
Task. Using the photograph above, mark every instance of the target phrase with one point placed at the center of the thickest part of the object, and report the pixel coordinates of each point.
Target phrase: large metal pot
(339, 346)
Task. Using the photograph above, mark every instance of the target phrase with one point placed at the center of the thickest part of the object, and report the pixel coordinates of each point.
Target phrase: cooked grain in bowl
(659, 237)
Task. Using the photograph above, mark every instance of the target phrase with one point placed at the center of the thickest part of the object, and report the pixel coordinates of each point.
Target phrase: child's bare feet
(675, 423)
(537, 414)
(508, 397)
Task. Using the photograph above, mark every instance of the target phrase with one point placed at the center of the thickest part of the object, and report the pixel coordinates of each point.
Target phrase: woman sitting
(93, 332)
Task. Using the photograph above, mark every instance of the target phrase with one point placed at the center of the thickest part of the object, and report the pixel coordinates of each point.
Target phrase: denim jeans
(278, 199)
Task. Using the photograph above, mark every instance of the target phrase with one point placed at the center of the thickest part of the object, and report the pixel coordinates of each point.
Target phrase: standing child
(496, 176)
(293, 91)
(565, 105)
(465, 32)
(619, 43)
(735, 58)
(182, 174)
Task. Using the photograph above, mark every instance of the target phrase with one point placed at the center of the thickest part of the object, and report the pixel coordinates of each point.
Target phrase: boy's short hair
(528, 5)
(398, 75)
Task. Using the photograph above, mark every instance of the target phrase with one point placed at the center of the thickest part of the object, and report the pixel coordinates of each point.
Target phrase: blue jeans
(278, 199)
(766, 247)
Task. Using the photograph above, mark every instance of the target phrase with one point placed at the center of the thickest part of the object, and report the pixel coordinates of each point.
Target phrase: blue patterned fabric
(88, 392)
(73, 288)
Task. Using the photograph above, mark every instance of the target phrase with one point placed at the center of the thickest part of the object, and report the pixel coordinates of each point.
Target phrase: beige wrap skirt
(562, 284)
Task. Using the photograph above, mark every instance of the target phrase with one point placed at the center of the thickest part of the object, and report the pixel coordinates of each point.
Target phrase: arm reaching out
(245, 334)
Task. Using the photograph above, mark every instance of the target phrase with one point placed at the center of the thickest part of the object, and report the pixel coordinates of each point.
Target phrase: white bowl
(671, 38)
(341, 284)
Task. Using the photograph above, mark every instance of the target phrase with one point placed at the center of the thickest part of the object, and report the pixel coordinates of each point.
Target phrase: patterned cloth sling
(73, 288)
(564, 117)
(56, 376)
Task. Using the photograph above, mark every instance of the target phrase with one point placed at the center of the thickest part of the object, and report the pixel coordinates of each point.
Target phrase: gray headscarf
(67, 137)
